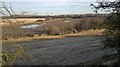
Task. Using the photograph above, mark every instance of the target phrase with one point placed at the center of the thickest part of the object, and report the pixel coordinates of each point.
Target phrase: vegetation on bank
(55, 27)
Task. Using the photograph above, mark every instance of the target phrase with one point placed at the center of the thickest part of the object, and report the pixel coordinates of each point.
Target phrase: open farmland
(61, 41)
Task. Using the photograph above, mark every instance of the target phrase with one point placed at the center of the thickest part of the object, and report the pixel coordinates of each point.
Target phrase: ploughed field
(66, 51)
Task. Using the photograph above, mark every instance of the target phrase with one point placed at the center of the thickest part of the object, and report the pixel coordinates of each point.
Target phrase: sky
(52, 0)
(52, 6)
(49, 0)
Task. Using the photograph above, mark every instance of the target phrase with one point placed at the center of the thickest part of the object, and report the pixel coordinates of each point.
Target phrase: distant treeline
(59, 16)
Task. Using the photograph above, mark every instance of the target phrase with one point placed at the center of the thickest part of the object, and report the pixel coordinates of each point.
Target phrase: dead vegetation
(51, 28)
(45, 36)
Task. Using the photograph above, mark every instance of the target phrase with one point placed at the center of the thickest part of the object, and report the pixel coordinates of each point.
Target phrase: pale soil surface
(66, 51)
(20, 21)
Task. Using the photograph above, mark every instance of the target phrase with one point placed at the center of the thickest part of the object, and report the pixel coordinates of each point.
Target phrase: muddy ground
(67, 51)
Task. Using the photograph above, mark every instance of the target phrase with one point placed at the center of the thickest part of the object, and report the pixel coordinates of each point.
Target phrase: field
(61, 41)
(49, 27)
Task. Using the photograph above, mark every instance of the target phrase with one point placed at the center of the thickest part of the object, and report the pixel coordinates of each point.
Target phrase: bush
(52, 30)
(89, 23)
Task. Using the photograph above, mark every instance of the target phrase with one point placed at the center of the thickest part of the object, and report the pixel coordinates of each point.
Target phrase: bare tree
(8, 58)
(112, 24)
(106, 5)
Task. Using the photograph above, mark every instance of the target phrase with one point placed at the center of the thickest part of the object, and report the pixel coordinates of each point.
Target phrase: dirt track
(67, 51)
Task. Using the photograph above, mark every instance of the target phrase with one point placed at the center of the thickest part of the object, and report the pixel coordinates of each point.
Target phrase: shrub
(52, 30)
(89, 23)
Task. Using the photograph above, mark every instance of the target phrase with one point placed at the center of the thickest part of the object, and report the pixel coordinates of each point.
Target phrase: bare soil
(70, 49)
(65, 51)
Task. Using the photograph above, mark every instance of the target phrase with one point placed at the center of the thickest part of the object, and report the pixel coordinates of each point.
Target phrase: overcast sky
(49, 0)
(48, 6)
